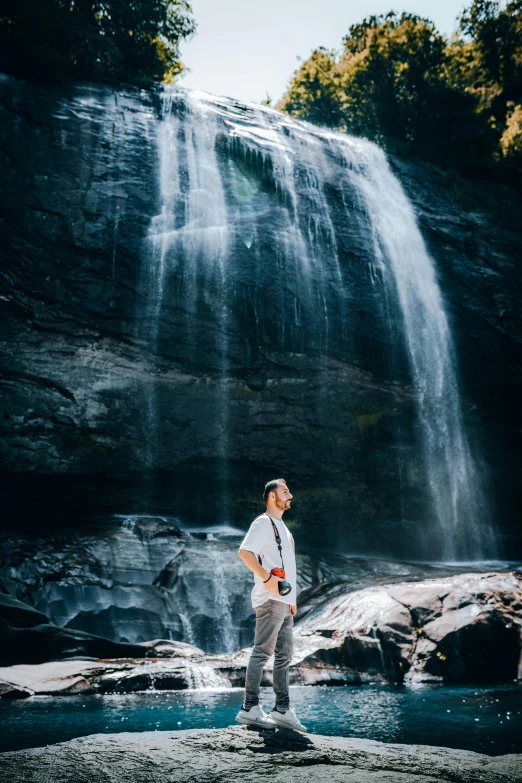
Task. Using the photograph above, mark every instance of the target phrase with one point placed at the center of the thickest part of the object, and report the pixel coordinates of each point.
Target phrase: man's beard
(281, 504)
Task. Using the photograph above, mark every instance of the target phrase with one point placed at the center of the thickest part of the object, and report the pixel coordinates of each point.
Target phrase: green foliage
(314, 93)
(490, 68)
(399, 82)
(393, 74)
(511, 139)
(496, 34)
(134, 41)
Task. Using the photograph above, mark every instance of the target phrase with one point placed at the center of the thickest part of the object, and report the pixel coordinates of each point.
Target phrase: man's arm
(293, 607)
(251, 562)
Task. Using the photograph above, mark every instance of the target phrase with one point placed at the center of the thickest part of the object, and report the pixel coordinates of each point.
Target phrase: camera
(284, 586)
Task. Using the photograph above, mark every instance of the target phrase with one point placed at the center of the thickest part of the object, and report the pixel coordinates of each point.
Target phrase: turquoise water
(487, 720)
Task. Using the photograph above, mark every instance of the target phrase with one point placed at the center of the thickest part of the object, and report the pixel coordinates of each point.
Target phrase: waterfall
(408, 272)
(223, 166)
(190, 239)
(227, 633)
(188, 633)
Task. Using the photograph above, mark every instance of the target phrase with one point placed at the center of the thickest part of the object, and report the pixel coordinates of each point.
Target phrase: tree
(497, 36)
(392, 66)
(511, 139)
(487, 63)
(134, 41)
(392, 84)
(314, 93)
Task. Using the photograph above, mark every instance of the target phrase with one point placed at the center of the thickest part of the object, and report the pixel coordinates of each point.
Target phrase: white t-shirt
(260, 540)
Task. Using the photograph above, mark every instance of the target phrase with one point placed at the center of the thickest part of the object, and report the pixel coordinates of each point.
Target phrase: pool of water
(487, 720)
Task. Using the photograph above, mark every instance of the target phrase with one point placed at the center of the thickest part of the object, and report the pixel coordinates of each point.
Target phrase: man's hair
(271, 486)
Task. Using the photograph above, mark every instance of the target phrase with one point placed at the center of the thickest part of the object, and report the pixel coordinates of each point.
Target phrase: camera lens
(284, 587)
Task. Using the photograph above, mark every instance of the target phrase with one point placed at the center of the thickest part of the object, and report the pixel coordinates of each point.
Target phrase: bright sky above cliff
(246, 49)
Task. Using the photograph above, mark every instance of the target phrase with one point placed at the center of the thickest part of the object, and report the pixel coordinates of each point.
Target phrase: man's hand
(293, 609)
(251, 561)
(271, 585)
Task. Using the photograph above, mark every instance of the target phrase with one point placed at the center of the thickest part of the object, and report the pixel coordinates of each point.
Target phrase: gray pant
(274, 624)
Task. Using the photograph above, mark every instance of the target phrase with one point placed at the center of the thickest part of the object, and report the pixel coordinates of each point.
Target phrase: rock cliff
(131, 386)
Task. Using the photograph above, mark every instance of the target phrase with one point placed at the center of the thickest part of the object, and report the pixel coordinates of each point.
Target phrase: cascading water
(408, 272)
(190, 237)
(227, 641)
(222, 168)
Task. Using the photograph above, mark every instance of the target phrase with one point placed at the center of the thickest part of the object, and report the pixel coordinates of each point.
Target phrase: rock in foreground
(238, 753)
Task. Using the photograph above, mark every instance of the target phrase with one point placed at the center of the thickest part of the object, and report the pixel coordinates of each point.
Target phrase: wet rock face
(28, 637)
(199, 755)
(132, 579)
(472, 231)
(102, 412)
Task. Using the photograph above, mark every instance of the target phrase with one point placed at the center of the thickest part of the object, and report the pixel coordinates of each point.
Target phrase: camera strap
(277, 538)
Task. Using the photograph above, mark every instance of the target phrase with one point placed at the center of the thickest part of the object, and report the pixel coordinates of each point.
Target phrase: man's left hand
(293, 609)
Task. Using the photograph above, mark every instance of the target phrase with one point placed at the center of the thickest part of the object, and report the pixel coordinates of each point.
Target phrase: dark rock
(31, 639)
(143, 680)
(198, 756)
(18, 614)
(10, 691)
(49, 643)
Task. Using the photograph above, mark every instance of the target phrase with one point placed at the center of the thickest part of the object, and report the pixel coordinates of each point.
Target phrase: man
(274, 612)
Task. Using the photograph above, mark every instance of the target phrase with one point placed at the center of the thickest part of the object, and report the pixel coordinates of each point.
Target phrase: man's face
(282, 497)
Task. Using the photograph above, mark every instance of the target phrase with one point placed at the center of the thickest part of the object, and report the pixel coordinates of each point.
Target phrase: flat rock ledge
(238, 753)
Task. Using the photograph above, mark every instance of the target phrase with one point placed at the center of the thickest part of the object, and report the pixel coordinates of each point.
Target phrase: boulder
(451, 629)
(19, 614)
(167, 648)
(62, 678)
(198, 756)
(9, 690)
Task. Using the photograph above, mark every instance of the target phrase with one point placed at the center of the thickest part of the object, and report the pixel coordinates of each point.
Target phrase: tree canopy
(134, 41)
(398, 81)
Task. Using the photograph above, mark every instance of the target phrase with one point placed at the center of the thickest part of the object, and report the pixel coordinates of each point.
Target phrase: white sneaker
(287, 720)
(255, 716)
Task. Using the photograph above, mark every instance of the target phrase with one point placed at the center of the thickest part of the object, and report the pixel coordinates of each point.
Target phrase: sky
(246, 49)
